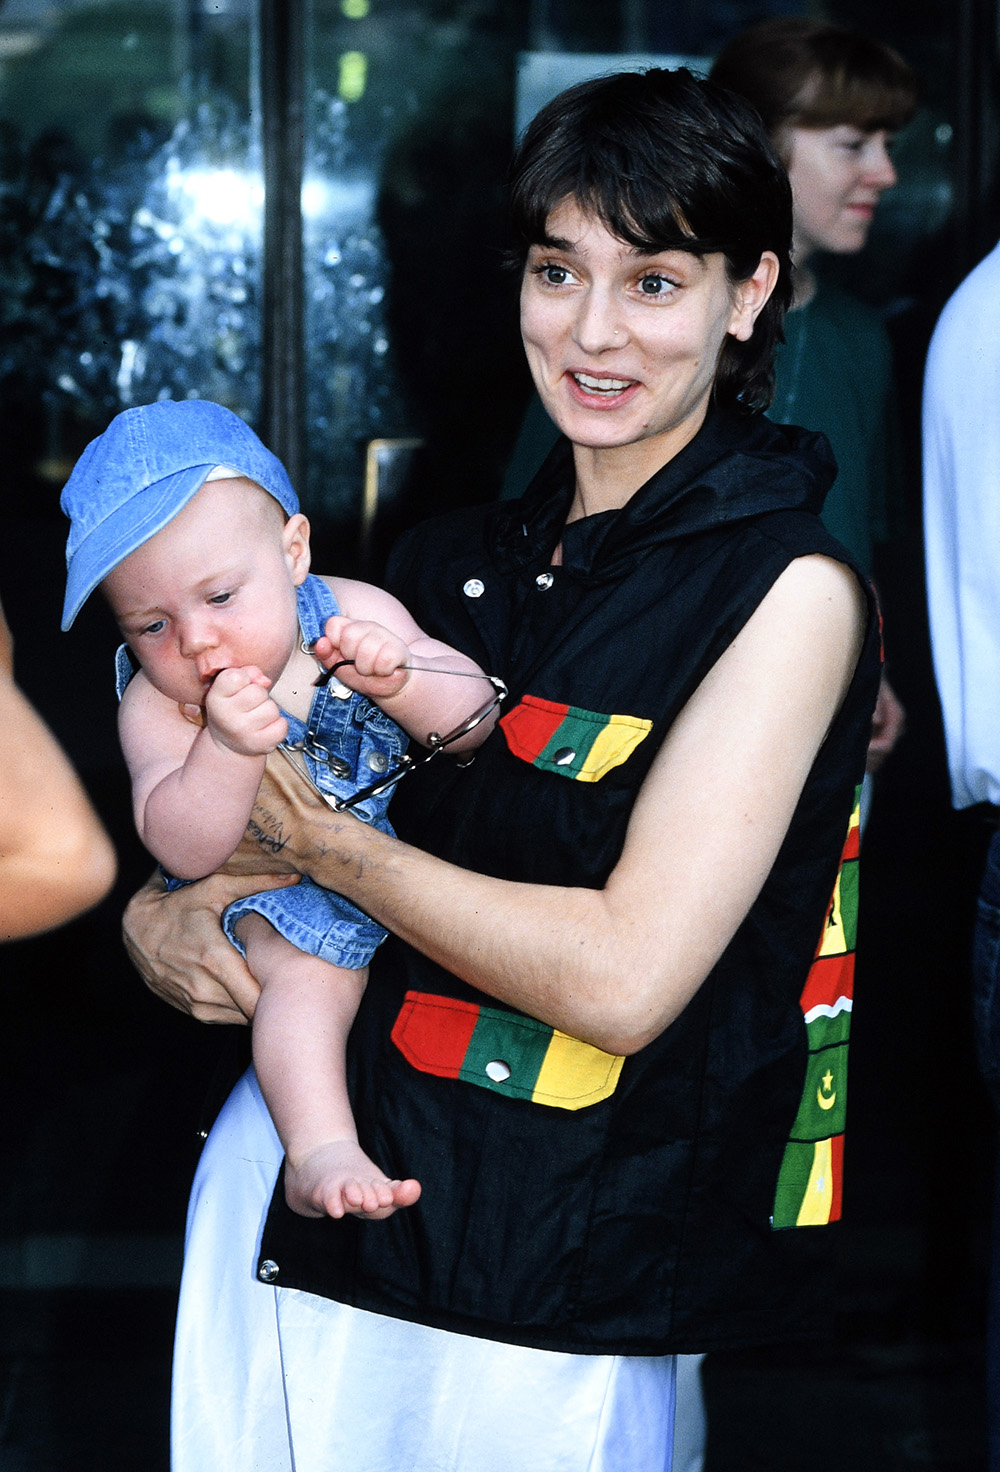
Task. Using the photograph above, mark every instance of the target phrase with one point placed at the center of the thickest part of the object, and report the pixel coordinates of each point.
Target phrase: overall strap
(316, 604)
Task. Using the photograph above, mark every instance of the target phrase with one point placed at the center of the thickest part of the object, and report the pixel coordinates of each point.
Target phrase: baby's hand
(378, 655)
(240, 714)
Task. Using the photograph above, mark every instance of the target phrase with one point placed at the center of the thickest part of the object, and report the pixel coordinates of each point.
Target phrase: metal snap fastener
(564, 757)
(268, 1271)
(378, 761)
(544, 580)
(474, 588)
(498, 1071)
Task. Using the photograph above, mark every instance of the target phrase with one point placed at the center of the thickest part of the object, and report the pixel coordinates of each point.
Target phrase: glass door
(130, 216)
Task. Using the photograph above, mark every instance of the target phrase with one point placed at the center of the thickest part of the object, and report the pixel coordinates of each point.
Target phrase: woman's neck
(608, 477)
(803, 287)
(803, 280)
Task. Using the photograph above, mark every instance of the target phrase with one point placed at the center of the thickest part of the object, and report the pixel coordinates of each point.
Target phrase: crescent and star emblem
(829, 1098)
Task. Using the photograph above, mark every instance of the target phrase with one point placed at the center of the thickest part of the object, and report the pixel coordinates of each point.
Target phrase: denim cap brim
(132, 480)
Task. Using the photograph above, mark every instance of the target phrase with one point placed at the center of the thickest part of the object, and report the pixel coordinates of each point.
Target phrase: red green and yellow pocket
(576, 743)
(505, 1052)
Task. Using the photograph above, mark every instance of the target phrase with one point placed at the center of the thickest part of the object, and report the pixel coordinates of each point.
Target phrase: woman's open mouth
(589, 386)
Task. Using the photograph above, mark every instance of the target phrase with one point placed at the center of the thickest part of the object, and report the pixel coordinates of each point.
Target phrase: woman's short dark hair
(667, 162)
(803, 73)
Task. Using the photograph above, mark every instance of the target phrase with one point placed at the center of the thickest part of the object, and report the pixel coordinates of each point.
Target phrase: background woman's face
(838, 176)
(623, 346)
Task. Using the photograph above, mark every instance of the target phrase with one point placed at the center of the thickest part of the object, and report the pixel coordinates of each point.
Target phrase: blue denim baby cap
(136, 476)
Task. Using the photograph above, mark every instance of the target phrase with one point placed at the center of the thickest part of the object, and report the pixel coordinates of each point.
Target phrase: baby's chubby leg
(300, 1030)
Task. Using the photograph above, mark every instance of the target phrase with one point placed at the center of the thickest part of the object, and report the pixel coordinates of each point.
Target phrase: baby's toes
(384, 1193)
(356, 1197)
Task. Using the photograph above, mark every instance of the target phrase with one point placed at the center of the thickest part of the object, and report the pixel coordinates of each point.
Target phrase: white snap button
(474, 588)
(498, 1071)
(268, 1271)
(564, 757)
(544, 580)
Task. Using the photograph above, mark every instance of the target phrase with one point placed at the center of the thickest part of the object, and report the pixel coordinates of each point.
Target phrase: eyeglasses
(435, 743)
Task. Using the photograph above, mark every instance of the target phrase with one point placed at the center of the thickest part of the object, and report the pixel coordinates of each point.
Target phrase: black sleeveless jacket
(570, 1200)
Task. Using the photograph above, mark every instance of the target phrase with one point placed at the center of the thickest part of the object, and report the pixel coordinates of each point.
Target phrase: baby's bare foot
(337, 1179)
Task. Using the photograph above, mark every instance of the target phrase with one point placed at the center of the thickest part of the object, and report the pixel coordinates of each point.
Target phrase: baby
(192, 530)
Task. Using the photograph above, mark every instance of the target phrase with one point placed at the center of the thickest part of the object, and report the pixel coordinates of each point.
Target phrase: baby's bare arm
(192, 790)
(439, 691)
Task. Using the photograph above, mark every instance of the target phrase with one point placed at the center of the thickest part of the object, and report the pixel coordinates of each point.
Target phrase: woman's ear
(750, 296)
(295, 541)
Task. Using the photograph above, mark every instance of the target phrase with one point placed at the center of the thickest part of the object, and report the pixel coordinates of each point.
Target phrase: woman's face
(838, 176)
(624, 346)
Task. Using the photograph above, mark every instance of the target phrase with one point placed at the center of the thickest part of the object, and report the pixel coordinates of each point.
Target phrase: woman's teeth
(602, 385)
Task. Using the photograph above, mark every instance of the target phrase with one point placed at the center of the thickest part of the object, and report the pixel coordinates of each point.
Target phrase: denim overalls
(349, 728)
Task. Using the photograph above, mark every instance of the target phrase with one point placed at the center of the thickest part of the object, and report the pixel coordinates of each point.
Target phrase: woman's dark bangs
(648, 219)
(625, 188)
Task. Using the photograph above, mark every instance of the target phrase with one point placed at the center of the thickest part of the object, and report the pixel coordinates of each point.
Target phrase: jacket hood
(735, 467)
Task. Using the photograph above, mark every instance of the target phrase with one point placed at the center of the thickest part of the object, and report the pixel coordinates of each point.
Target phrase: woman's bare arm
(616, 966)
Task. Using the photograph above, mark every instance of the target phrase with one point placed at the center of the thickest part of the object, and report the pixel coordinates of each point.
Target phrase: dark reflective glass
(130, 215)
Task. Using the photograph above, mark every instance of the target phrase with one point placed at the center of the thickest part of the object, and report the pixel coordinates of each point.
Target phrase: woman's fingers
(175, 942)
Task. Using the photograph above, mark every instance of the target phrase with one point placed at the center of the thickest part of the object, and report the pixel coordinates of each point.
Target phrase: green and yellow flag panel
(506, 1052)
(811, 1176)
(581, 744)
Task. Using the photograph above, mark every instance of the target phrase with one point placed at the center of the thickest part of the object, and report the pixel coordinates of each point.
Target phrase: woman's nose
(600, 322)
(880, 170)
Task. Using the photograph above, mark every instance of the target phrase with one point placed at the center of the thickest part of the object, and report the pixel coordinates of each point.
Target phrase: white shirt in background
(961, 432)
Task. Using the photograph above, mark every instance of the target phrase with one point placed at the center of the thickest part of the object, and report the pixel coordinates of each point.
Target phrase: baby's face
(214, 590)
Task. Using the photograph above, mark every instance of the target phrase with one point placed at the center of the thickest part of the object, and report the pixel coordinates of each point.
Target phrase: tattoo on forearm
(272, 843)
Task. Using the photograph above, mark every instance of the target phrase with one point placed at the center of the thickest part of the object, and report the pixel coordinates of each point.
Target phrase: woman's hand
(175, 938)
(888, 725)
(295, 830)
(176, 943)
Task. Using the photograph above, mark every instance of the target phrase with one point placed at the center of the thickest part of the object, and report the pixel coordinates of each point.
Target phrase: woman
(586, 1035)
(832, 101)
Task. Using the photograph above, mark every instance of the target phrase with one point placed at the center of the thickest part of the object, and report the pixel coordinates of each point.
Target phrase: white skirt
(275, 1380)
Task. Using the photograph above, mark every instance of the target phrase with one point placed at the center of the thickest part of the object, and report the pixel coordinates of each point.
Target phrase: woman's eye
(555, 275)
(655, 285)
(219, 598)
